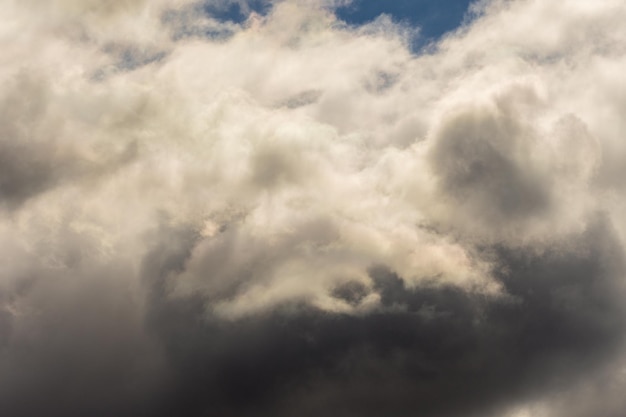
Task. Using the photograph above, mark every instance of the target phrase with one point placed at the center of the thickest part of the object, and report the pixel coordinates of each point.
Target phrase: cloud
(280, 212)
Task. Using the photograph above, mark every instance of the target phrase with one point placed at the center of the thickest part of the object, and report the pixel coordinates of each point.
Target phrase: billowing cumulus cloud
(233, 208)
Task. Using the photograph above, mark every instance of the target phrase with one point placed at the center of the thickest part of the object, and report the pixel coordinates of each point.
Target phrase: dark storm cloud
(431, 350)
(428, 351)
(74, 346)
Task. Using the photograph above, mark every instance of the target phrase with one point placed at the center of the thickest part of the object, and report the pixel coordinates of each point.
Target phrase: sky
(430, 19)
(235, 208)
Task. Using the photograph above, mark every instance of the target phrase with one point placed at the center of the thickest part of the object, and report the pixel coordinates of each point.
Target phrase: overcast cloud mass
(253, 208)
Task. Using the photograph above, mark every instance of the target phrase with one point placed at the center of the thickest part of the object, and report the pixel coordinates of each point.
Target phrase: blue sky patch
(434, 17)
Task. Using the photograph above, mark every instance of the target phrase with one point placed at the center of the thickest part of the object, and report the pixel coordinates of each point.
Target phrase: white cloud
(321, 149)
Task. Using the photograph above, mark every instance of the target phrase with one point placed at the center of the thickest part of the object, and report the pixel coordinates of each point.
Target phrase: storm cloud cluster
(286, 215)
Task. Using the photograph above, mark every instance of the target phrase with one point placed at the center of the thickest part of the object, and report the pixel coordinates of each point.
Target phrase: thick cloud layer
(231, 209)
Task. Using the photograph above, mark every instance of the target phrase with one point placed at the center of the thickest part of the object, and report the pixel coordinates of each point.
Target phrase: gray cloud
(484, 161)
(34, 155)
(433, 350)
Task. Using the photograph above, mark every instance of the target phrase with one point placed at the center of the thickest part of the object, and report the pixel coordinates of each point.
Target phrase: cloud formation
(281, 213)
